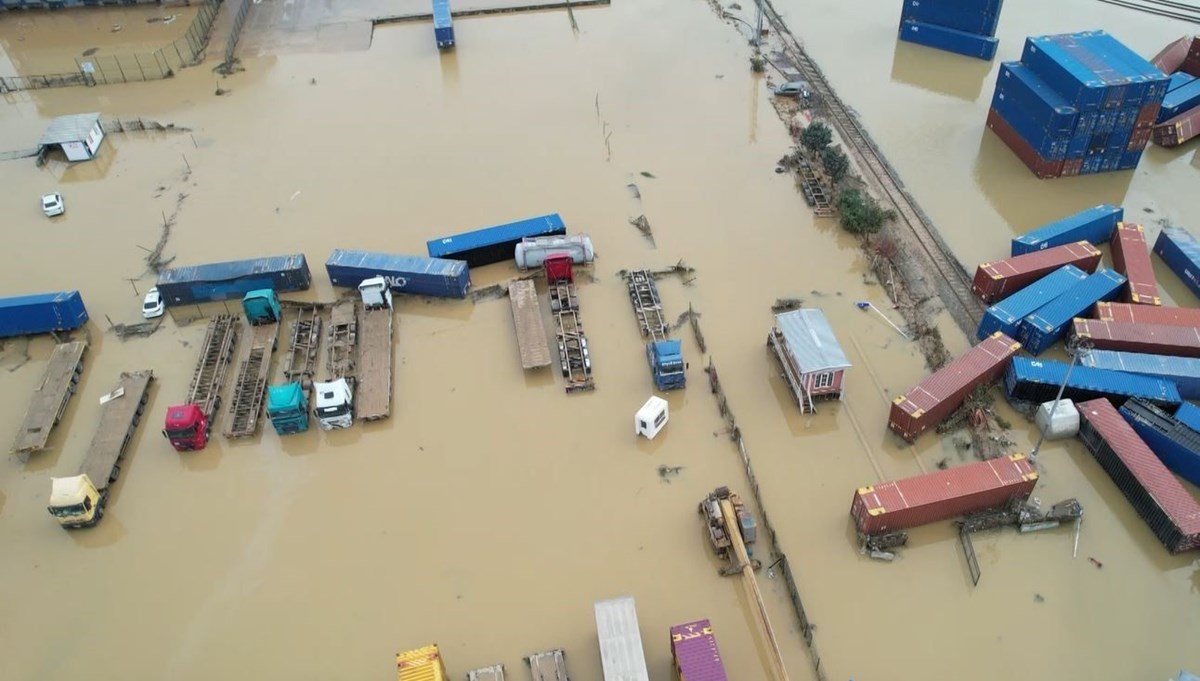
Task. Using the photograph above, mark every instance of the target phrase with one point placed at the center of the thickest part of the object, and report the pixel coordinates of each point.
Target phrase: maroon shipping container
(1153, 339)
(935, 398)
(1139, 138)
(1171, 57)
(1147, 115)
(1141, 314)
(1000, 279)
(1176, 131)
(1170, 511)
(1131, 257)
(1071, 167)
(1041, 167)
(942, 495)
(1191, 63)
(695, 651)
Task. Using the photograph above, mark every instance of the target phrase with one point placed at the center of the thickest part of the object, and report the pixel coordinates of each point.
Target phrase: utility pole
(1077, 348)
(758, 23)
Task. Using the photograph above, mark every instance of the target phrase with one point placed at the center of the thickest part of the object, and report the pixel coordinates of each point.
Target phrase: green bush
(816, 137)
(835, 162)
(860, 213)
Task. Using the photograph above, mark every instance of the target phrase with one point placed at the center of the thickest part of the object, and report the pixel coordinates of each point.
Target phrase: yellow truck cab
(75, 501)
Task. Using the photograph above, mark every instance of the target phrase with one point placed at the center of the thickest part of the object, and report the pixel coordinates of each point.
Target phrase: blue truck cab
(443, 24)
(666, 364)
(287, 407)
(261, 307)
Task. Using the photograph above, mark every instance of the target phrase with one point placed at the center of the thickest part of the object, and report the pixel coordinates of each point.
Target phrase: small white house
(651, 418)
(78, 135)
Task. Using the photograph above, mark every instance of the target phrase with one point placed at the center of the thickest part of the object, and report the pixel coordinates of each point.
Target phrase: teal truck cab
(261, 307)
(666, 363)
(287, 407)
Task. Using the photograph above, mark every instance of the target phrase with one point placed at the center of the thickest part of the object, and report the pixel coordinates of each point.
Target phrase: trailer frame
(46, 408)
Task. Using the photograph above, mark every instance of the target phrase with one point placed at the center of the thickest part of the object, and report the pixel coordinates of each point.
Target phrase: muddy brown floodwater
(491, 510)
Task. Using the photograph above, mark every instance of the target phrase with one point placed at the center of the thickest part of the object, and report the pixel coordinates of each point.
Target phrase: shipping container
(942, 495)
(1156, 339)
(1050, 146)
(1177, 130)
(1050, 323)
(968, 17)
(494, 244)
(1071, 167)
(1178, 80)
(1006, 315)
(1041, 167)
(1171, 512)
(234, 279)
(1181, 252)
(1147, 83)
(41, 313)
(1175, 444)
(1143, 314)
(1131, 257)
(1094, 225)
(948, 39)
(1189, 415)
(935, 398)
(422, 664)
(621, 655)
(1048, 111)
(996, 280)
(1039, 380)
(404, 273)
(443, 24)
(1049, 57)
(1081, 138)
(1184, 372)
(694, 651)
(1171, 57)
(1179, 101)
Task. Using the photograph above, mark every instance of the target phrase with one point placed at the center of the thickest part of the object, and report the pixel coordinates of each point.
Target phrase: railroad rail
(1163, 8)
(119, 418)
(250, 386)
(300, 364)
(373, 397)
(215, 356)
(647, 306)
(527, 318)
(49, 402)
(955, 286)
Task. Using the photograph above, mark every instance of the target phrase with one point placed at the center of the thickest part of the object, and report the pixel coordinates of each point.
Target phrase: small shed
(814, 364)
(78, 135)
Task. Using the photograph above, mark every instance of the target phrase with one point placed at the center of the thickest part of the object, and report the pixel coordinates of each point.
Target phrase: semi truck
(189, 425)
(575, 360)
(664, 355)
(263, 313)
(287, 408)
(334, 404)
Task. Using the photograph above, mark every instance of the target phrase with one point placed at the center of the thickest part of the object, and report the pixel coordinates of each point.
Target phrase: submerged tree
(836, 163)
(860, 213)
(816, 136)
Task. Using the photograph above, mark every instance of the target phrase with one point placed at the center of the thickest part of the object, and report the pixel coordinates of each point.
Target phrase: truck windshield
(65, 511)
(672, 368)
(182, 433)
(335, 410)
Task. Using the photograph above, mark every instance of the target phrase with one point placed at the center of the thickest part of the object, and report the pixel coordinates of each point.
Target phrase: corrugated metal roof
(388, 262)
(421, 664)
(621, 653)
(696, 652)
(810, 340)
(72, 128)
(234, 269)
(543, 225)
(36, 298)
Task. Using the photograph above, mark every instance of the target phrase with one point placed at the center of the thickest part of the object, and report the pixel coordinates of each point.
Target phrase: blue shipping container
(1180, 251)
(1180, 100)
(948, 39)
(1047, 108)
(494, 244)
(1050, 146)
(1130, 160)
(1007, 314)
(1149, 84)
(1174, 443)
(952, 14)
(41, 313)
(1045, 327)
(1095, 225)
(1056, 65)
(1178, 80)
(1189, 415)
(1038, 380)
(1184, 372)
(1082, 136)
(404, 273)
(234, 279)
(443, 24)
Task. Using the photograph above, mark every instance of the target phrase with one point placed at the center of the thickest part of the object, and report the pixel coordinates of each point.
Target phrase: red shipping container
(1170, 511)
(1000, 279)
(1153, 339)
(1147, 115)
(1139, 138)
(1171, 57)
(942, 495)
(1176, 131)
(1141, 314)
(935, 398)
(1131, 257)
(694, 649)
(1041, 167)
(1191, 63)
(1071, 167)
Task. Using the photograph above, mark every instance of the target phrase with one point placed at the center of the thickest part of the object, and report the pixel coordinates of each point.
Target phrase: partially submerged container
(1177, 130)
(1189, 415)
(1131, 257)
(949, 39)
(1038, 380)
(1171, 512)
(443, 24)
(1148, 314)
(695, 653)
(1049, 324)
(1057, 422)
(942, 495)
(1181, 252)
(1176, 444)
(1156, 339)
(979, 17)
(421, 664)
(621, 654)
(532, 252)
(41, 313)
(935, 398)
(1094, 225)
(996, 280)
(1006, 315)
(1041, 167)
(494, 244)
(1177, 101)
(233, 279)
(403, 273)
(1184, 372)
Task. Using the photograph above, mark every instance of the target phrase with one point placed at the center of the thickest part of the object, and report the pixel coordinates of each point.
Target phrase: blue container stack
(966, 27)
(1077, 104)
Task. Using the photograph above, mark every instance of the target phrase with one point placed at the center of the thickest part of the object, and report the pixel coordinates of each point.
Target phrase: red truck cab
(186, 427)
(558, 268)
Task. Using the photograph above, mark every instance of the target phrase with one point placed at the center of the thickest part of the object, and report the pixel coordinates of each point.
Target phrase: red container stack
(1143, 314)
(1131, 257)
(1153, 339)
(941, 495)
(1000, 279)
(935, 398)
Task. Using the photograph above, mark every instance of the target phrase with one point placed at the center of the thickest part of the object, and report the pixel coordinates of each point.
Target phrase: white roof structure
(810, 340)
(66, 491)
(72, 128)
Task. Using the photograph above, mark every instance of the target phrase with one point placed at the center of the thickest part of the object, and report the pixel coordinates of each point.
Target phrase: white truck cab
(334, 405)
(651, 418)
(75, 501)
(375, 293)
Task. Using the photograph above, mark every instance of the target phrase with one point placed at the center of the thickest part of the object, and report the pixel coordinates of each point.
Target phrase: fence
(239, 19)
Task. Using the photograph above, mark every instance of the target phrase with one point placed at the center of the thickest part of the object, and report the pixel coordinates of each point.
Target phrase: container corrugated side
(1184, 372)
(621, 655)
(421, 664)
(936, 397)
(1176, 445)
(694, 650)
(1131, 257)
(1048, 325)
(498, 235)
(1147, 314)
(948, 39)
(1006, 315)
(956, 15)
(1172, 514)
(942, 495)
(1189, 415)
(1178, 80)
(1048, 145)
(1038, 380)
(1181, 252)
(1002, 278)
(1177, 130)
(1094, 225)
(404, 273)
(1156, 339)
(1179, 101)
(1056, 65)
(1049, 112)
(233, 279)
(1040, 167)
(1152, 81)
(41, 313)
(1171, 57)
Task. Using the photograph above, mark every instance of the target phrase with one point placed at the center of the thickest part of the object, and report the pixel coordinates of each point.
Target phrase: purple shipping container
(695, 651)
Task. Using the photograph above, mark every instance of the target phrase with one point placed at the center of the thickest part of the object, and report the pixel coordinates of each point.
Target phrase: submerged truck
(263, 313)
(287, 408)
(664, 355)
(189, 425)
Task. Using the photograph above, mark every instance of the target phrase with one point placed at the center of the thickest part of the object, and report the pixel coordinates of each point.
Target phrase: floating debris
(1038, 598)
(667, 472)
(650, 175)
(787, 304)
(1095, 562)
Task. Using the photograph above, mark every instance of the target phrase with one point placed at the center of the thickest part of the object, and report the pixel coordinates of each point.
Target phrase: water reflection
(939, 71)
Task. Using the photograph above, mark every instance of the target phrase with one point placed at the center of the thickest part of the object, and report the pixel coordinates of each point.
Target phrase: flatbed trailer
(50, 399)
(216, 354)
(563, 295)
(574, 358)
(643, 294)
(549, 665)
(527, 317)
(373, 397)
(300, 363)
(119, 419)
(250, 386)
(341, 359)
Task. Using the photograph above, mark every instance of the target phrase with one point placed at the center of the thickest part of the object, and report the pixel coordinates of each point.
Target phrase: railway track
(951, 280)
(1162, 8)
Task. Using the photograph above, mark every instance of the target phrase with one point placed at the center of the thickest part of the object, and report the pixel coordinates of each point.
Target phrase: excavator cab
(718, 533)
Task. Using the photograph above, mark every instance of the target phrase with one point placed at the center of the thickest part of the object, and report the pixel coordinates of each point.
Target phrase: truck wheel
(116, 473)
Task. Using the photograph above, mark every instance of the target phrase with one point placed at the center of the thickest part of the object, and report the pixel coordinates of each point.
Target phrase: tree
(860, 213)
(835, 162)
(816, 136)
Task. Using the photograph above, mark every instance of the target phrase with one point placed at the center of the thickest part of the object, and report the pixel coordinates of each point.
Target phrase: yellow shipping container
(422, 664)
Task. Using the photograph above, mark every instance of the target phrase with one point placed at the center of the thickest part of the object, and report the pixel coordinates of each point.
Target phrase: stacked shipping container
(966, 27)
(1000, 279)
(1184, 372)
(1045, 327)
(1131, 257)
(1181, 252)
(1180, 119)
(1006, 315)
(1156, 339)
(1077, 104)
(1094, 225)
(1039, 380)
(1173, 442)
